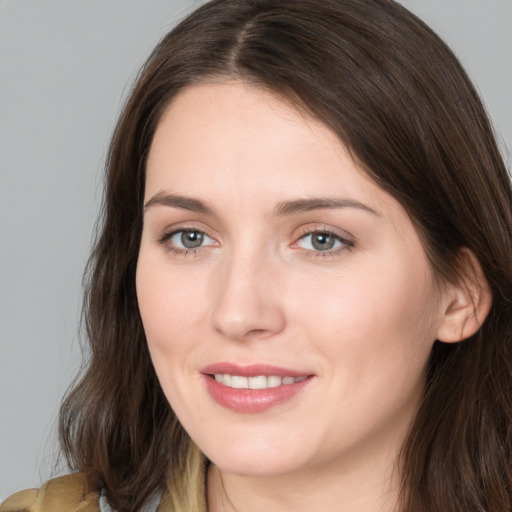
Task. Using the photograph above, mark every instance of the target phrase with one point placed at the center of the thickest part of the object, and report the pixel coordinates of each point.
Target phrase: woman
(300, 297)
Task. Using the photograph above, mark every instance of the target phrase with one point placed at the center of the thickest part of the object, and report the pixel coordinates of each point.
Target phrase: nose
(248, 303)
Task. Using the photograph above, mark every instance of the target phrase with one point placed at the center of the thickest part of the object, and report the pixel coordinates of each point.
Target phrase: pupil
(323, 241)
(191, 239)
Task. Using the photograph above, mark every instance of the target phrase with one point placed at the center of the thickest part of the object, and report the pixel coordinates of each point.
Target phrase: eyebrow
(284, 208)
(320, 203)
(177, 201)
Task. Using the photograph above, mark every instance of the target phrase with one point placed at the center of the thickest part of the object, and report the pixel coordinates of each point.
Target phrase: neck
(370, 484)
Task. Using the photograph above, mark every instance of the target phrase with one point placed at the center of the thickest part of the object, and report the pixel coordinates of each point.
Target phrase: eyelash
(346, 245)
(166, 237)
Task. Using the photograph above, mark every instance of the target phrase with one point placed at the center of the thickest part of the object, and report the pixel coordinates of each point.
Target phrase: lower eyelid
(332, 253)
(343, 243)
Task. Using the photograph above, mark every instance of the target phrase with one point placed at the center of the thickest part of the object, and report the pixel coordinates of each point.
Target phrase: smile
(257, 382)
(253, 388)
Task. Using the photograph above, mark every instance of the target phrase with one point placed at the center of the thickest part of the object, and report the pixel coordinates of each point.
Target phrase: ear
(468, 302)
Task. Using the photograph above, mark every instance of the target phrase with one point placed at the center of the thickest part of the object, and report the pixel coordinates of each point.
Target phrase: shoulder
(69, 493)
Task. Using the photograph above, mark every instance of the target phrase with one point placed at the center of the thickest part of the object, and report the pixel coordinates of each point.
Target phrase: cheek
(376, 331)
(380, 321)
(172, 314)
(171, 304)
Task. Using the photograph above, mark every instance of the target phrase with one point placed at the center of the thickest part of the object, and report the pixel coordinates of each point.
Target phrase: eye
(323, 241)
(186, 240)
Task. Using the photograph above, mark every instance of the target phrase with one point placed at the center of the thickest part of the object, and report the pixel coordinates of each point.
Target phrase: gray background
(65, 66)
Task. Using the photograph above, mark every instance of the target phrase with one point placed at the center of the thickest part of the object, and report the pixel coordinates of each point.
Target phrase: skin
(361, 318)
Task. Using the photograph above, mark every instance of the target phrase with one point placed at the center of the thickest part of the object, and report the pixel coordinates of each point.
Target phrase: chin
(257, 467)
(255, 457)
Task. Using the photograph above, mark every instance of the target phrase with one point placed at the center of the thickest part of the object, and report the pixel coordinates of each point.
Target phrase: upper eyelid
(169, 233)
(326, 232)
(302, 232)
(185, 226)
(347, 240)
(339, 238)
(305, 231)
(322, 228)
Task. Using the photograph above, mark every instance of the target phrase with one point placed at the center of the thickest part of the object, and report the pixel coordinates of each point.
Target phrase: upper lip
(251, 370)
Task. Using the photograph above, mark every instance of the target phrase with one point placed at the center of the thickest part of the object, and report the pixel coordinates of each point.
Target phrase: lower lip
(252, 400)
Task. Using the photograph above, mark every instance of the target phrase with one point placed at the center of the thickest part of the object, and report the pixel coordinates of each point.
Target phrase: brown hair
(399, 100)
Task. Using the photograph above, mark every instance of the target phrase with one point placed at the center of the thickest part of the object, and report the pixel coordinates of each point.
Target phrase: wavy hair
(399, 100)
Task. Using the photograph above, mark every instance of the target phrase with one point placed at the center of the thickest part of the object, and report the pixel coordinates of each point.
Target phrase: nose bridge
(246, 298)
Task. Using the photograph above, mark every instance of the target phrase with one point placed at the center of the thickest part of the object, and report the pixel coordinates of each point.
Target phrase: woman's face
(288, 303)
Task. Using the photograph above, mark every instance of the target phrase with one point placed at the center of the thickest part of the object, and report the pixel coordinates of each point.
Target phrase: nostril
(255, 332)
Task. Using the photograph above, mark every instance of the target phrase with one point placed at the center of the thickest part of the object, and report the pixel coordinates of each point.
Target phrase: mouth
(253, 388)
(257, 382)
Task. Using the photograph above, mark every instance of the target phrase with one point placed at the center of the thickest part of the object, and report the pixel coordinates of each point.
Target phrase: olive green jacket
(69, 493)
(78, 492)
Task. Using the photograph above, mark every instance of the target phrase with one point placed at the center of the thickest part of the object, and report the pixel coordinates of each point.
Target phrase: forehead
(240, 146)
(237, 116)
(238, 127)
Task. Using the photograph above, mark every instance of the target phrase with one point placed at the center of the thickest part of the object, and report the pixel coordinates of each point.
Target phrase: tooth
(259, 382)
(239, 382)
(274, 381)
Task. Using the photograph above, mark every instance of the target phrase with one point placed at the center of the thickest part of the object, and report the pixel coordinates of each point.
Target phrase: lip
(252, 400)
(252, 370)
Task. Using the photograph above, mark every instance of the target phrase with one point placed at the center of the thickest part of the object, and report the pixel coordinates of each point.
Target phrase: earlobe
(468, 301)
